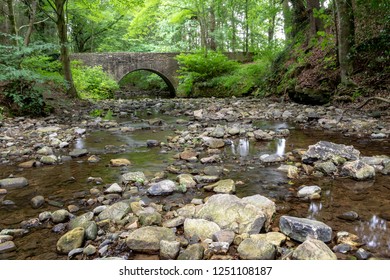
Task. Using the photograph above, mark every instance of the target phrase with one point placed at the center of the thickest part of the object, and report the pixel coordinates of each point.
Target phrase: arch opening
(146, 83)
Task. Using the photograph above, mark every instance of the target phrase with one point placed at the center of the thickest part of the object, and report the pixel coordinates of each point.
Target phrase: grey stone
(150, 219)
(169, 250)
(71, 240)
(152, 143)
(147, 239)
(192, 252)
(358, 170)
(349, 216)
(362, 254)
(186, 180)
(48, 160)
(218, 132)
(78, 153)
(199, 227)
(44, 216)
(275, 238)
(313, 249)
(224, 236)
(133, 177)
(220, 248)
(309, 192)
(326, 167)
(325, 151)
(222, 186)
(13, 183)
(253, 249)
(213, 143)
(271, 158)
(231, 213)
(162, 188)
(114, 188)
(37, 201)
(90, 250)
(342, 248)
(262, 135)
(175, 222)
(60, 216)
(74, 252)
(45, 151)
(116, 211)
(301, 228)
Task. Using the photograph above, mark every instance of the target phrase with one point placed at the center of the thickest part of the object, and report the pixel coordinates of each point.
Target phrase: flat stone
(313, 249)
(186, 180)
(262, 135)
(115, 212)
(192, 252)
(325, 150)
(13, 183)
(213, 143)
(309, 192)
(175, 222)
(169, 250)
(275, 238)
(162, 188)
(301, 228)
(78, 153)
(118, 162)
(358, 170)
(133, 177)
(222, 186)
(49, 160)
(7, 246)
(349, 216)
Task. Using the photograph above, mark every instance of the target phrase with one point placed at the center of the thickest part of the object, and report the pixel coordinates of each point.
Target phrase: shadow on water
(67, 184)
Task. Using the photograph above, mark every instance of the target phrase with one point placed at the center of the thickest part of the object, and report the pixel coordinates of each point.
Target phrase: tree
(11, 19)
(346, 38)
(315, 22)
(59, 9)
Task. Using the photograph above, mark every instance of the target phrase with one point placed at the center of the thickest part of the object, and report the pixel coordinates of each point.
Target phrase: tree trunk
(63, 38)
(315, 22)
(246, 47)
(32, 15)
(287, 20)
(271, 24)
(234, 38)
(299, 16)
(11, 18)
(346, 38)
(212, 43)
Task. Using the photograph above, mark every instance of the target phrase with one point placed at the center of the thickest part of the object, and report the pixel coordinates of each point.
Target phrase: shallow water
(67, 183)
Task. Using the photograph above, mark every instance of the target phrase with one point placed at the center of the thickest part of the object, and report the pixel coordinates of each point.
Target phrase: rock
(358, 170)
(262, 135)
(231, 213)
(114, 188)
(219, 248)
(226, 236)
(206, 179)
(309, 192)
(213, 170)
(201, 228)
(150, 219)
(89, 250)
(353, 240)
(252, 249)
(3, 191)
(188, 155)
(4, 238)
(169, 250)
(187, 211)
(78, 153)
(80, 131)
(386, 167)
(133, 177)
(75, 252)
(60, 216)
(301, 228)
(37, 201)
(349, 216)
(28, 164)
(48, 160)
(7, 246)
(271, 158)
(210, 159)
(13, 183)
(198, 114)
(192, 252)
(292, 171)
(186, 180)
(71, 240)
(326, 167)
(223, 186)
(362, 254)
(234, 131)
(93, 159)
(148, 239)
(48, 129)
(14, 232)
(81, 220)
(175, 222)
(325, 151)
(275, 238)
(153, 143)
(73, 208)
(44, 216)
(342, 248)
(45, 151)
(266, 205)
(118, 162)
(162, 188)
(218, 132)
(115, 212)
(313, 249)
(213, 143)
(156, 122)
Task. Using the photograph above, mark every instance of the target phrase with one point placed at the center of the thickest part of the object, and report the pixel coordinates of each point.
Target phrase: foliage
(93, 82)
(196, 68)
(144, 80)
(24, 72)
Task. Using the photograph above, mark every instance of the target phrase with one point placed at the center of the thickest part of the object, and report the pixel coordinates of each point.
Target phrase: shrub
(23, 74)
(93, 82)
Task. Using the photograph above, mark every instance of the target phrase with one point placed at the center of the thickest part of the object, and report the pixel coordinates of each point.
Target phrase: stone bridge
(118, 65)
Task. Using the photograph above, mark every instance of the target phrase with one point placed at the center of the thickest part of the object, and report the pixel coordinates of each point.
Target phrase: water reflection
(281, 147)
(242, 148)
(314, 209)
(374, 233)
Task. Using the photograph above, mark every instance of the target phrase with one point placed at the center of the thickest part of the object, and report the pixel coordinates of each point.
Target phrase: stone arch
(168, 81)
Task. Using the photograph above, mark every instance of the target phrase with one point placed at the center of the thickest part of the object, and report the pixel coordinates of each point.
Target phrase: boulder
(71, 240)
(13, 183)
(275, 238)
(201, 228)
(254, 249)
(262, 135)
(192, 252)
(358, 170)
(309, 192)
(78, 153)
(313, 249)
(232, 213)
(148, 239)
(213, 143)
(133, 177)
(300, 229)
(266, 205)
(169, 250)
(117, 162)
(186, 180)
(325, 151)
(222, 186)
